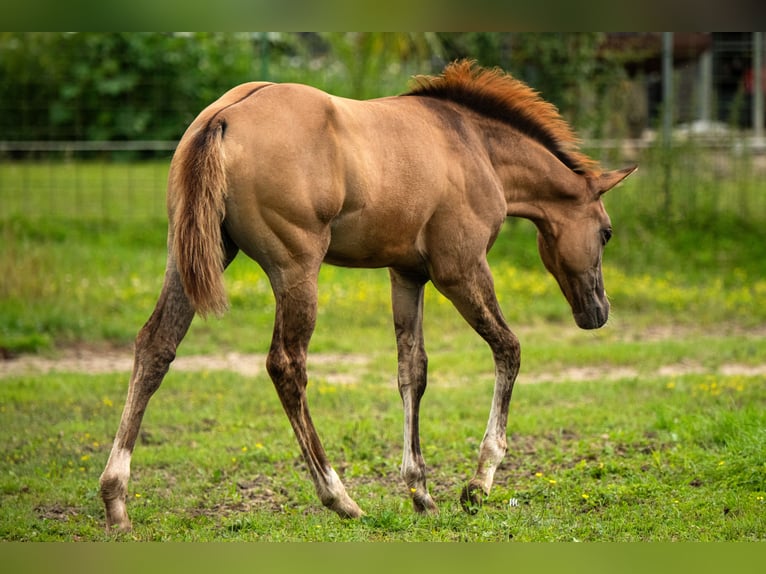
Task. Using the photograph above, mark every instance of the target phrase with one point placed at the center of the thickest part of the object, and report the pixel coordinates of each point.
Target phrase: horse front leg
(407, 303)
(296, 303)
(474, 297)
(155, 349)
(493, 446)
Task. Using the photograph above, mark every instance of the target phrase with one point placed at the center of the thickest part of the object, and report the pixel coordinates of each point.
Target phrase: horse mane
(496, 94)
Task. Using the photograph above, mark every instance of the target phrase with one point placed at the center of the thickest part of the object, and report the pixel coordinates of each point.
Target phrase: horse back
(378, 174)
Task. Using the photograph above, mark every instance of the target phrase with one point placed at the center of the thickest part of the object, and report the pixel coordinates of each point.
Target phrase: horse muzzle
(593, 316)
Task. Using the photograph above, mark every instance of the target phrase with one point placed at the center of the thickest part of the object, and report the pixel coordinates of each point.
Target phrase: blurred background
(123, 97)
(89, 122)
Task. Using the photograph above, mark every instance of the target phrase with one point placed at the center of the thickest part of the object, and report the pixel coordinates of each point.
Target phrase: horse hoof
(472, 498)
(425, 505)
(117, 516)
(118, 526)
(347, 509)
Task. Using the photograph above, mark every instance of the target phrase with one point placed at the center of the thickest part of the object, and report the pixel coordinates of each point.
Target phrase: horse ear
(609, 179)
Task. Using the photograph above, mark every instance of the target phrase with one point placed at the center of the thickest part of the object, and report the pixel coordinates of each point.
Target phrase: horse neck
(531, 175)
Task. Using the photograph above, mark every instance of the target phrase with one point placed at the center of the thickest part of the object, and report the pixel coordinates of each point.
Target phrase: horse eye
(606, 235)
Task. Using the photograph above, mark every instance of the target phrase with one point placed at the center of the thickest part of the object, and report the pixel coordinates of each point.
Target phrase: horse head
(571, 243)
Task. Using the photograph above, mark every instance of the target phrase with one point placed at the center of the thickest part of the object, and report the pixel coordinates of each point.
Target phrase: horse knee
(508, 349)
(282, 365)
(420, 365)
(277, 364)
(413, 372)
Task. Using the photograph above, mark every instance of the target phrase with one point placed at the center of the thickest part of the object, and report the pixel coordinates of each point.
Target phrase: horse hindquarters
(198, 254)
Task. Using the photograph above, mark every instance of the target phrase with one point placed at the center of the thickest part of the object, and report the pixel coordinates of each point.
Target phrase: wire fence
(107, 181)
(99, 181)
(710, 151)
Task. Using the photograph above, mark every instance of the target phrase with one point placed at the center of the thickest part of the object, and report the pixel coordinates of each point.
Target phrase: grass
(655, 458)
(81, 264)
(654, 444)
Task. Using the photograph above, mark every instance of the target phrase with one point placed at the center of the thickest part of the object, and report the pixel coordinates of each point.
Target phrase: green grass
(654, 444)
(84, 264)
(654, 458)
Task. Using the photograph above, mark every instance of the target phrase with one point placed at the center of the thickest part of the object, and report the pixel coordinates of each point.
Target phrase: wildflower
(759, 498)
(244, 449)
(551, 481)
(721, 462)
(85, 457)
(258, 445)
(107, 402)
(539, 474)
(137, 495)
(585, 496)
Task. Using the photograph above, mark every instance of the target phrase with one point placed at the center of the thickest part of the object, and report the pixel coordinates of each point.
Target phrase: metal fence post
(758, 89)
(667, 112)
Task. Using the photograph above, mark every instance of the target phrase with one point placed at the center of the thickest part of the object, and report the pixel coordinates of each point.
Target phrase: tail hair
(197, 210)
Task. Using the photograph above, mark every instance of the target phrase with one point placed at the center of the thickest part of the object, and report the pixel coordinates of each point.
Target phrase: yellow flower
(538, 474)
(551, 481)
(585, 496)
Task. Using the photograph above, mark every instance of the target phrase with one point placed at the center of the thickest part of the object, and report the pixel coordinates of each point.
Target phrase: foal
(419, 183)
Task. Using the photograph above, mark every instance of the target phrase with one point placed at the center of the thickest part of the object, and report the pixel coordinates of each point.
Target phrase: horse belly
(359, 241)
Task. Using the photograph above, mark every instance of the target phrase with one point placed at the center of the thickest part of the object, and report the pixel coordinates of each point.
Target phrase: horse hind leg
(155, 349)
(296, 305)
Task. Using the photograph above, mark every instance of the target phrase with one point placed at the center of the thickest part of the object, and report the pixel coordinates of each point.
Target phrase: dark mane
(497, 94)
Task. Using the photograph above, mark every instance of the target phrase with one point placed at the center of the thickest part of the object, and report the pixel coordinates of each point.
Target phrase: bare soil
(90, 360)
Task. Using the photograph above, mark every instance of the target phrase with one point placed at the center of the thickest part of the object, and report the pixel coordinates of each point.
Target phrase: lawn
(649, 429)
(639, 459)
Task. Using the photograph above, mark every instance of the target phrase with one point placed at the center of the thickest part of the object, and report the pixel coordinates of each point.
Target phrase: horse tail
(197, 209)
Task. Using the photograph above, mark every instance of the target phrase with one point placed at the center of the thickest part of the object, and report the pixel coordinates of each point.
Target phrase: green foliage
(114, 86)
(569, 70)
(149, 86)
(83, 252)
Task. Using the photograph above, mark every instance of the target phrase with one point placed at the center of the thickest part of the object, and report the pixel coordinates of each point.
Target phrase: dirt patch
(102, 361)
(56, 512)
